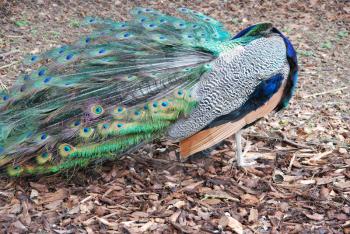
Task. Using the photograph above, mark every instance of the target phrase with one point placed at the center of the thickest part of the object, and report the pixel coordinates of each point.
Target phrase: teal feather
(123, 84)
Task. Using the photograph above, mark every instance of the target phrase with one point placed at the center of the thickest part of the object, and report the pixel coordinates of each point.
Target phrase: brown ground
(300, 186)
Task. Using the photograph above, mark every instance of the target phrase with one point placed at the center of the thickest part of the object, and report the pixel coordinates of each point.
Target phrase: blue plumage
(127, 83)
(293, 74)
(259, 97)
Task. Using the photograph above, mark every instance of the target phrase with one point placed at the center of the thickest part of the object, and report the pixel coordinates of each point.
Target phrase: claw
(241, 160)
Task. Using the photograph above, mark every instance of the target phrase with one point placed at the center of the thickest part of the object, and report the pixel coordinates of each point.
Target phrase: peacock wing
(121, 85)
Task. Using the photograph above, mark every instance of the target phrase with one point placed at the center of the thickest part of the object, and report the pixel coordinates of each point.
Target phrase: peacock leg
(241, 161)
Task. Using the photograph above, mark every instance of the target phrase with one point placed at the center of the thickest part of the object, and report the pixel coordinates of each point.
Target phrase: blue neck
(293, 73)
(291, 57)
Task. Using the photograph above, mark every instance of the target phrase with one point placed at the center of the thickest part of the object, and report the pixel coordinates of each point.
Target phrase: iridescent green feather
(122, 85)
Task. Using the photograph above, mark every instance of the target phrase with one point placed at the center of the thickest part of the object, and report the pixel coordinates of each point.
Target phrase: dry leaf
(249, 199)
(60, 194)
(231, 223)
(315, 216)
(253, 215)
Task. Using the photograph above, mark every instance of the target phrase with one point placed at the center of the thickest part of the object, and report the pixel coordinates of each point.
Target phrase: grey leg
(241, 162)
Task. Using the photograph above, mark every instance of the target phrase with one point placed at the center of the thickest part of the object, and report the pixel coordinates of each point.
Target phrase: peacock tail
(123, 85)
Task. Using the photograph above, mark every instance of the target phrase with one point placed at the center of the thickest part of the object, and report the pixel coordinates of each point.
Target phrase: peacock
(155, 76)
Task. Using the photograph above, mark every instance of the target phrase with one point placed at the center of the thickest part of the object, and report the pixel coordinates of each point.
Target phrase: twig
(284, 139)
(8, 53)
(14, 36)
(8, 65)
(170, 162)
(326, 92)
(291, 162)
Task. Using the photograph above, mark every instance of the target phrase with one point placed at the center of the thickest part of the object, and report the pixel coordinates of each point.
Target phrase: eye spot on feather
(148, 10)
(22, 89)
(14, 170)
(91, 20)
(41, 72)
(126, 35)
(43, 136)
(119, 125)
(97, 110)
(180, 93)
(145, 107)
(162, 20)
(119, 112)
(26, 77)
(5, 98)
(151, 25)
(69, 56)
(76, 123)
(34, 58)
(142, 20)
(105, 126)
(165, 104)
(61, 50)
(86, 132)
(43, 158)
(87, 40)
(139, 12)
(180, 25)
(155, 104)
(65, 150)
(137, 113)
(101, 51)
(47, 79)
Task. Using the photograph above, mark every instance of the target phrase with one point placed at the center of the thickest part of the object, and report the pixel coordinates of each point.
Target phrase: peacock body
(128, 83)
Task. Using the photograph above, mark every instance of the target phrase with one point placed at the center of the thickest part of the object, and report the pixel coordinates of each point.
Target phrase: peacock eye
(66, 148)
(43, 136)
(5, 98)
(47, 79)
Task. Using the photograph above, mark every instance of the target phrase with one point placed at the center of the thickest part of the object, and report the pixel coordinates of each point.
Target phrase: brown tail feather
(209, 137)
